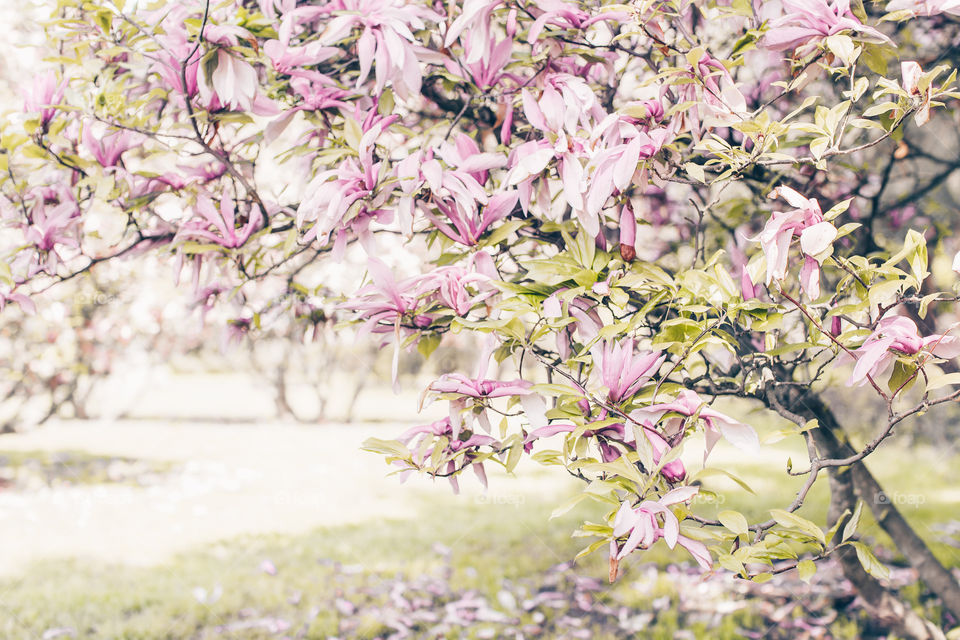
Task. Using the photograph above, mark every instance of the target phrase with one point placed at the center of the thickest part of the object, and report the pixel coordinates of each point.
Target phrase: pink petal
(817, 238)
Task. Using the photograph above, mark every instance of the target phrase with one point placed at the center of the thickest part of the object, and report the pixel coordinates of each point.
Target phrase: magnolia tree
(636, 208)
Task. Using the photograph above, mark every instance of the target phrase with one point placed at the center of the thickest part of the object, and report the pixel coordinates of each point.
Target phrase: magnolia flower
(329, 198)
(604, 435)
(648, 522)
(43, 94)
(107, 149)
(25, 303)
(612, 169)
(892, 337)
(807, 22)
(568, 15)
(223, 222)
(387, 39)
(717, 424)
(673, 471)
(53, 226)
(566, 103)
(485, 57)
(816, 237)
(233, 81)
(623, 370)
(171, 33)
(455, 193)
(288, 59)
(910, 73)
(461, 442)
(462, 385)
(459, 288)
(233, 85)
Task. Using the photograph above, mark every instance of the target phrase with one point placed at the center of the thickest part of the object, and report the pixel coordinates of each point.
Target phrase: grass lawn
(351, 581)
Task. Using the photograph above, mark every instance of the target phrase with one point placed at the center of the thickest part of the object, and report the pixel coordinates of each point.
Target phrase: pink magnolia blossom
(611, 167)
(622, 370)
(329, 198)
(108, 148)
(689, 404)
(892, 337)
(223, 222)
(485, 57)
(24, 302)
(386, 305)
(383, 303)
(717, 98)
(387, 39)
(673, 471)
(652, 520)
(459, 287)
(289, 59)
(462, 385)
(233, 85)
(176, 47)
(910, 73)
(468, 392)
(806, 23)
(568, 15)
(566, 103)
(460, 441)
(43, 95)
(474, 20)
(604, 435)
(54, 222)
(457, 194)
(816, 236)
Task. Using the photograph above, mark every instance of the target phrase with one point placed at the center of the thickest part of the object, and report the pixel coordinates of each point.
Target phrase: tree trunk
(845, 485)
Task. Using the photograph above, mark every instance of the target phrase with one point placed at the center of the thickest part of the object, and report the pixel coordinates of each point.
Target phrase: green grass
(490, 545)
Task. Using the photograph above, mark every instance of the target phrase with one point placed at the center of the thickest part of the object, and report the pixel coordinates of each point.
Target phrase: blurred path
(233, 479)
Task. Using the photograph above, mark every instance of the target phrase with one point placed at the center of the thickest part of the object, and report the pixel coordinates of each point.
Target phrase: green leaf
(793, 521)
(568, 504)
(943, 381)
(713, 471)
(806, 570)
(842, 46)
(516, 450)
(902, 373)
(869, 561)
(734, 521)
(500, 233)
(591, 548)
(851, 527)
(386, 447)
(428, 344)
(874, 58)
(878, 109)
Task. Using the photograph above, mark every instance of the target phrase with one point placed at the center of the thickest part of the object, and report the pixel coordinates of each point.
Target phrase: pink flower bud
(628, 234)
